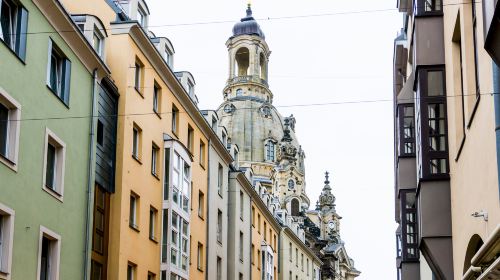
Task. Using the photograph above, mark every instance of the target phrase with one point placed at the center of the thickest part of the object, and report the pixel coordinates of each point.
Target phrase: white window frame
(6, 240)
(54, 253)
(60, 162)
(133, 212)
(100, 48)
(13, 129)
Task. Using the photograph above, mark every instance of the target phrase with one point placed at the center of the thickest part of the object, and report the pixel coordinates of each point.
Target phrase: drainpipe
(250, 230)
(90, 180)
(208, 205)
(496, 101)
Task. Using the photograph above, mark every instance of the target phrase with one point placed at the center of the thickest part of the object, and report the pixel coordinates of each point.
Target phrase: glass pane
(184, 227)
(173, 256)
(435, 111)
(435, 83)
(50, 167)
(438, 166)
(4, 129)
(410, 200)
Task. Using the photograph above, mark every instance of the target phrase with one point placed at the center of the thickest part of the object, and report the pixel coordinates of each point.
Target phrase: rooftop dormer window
(141, 16)
(97, 41)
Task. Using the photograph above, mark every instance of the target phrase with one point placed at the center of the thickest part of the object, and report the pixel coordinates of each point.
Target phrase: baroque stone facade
(269, 147)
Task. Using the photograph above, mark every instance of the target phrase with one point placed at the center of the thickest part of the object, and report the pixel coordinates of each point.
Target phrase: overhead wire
(257, 108)
(260, 19)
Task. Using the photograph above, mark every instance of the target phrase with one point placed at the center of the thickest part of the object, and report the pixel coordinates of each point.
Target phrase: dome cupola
(248, 26)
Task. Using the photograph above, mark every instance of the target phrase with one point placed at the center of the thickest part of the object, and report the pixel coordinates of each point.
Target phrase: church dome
(248, 26)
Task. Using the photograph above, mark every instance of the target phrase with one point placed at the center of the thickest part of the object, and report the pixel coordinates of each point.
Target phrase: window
(220, 175)
(258, 223)
(136, 142)
(302, 261)
(48, 256)
(153, 213)
(14, 26)
(179, 241)
(409, 225)
(58, 73)
(175, 119)
(202, 153)
(154, 159)
(151, 275)
(190, 88)
(270, 151)
(166, 180)
(200, 256)
(252, 252)
(242, 205)
(429, 7)
(138, 76)
(131, 271)
(219, 226)
(190, 139)
(156, 98)
(214, 124)
(224, 139)
(253, 216)
(432, 125)
(6, 238)
(241, 246)
(181, 182)
(10, 113)
(290, 251)
(258, 259)
(219, 268)
(406, 120)
(100, 133)
(296, 257)
(97, 42)
(168, 56)
(201, 204)
(54, 159)
(164, 237)
(265, 231)
(241, 276)
(307, 267)
(134, 205)
(141, 16)
(239, 92)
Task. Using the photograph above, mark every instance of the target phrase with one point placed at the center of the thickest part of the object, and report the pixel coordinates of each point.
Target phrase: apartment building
(48, 90)
(446, 163)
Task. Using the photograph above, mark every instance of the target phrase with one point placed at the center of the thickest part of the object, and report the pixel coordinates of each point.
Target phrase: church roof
(248, 26)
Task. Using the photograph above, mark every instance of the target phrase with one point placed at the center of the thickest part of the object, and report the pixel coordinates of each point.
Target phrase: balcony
(247, 79)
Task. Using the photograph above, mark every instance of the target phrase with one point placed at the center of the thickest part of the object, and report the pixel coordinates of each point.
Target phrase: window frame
(19, 27)
(13, 130)
(419, 8)
(219, 226)
(201, 204)
(155, 155)
(220, 179)
(139, 76)
(403, 140)
(136, 142)
(7, 240)
(405, 211)
(59, 165)
(202, 156)
(153, 217)
(175, 120)
(270, 150)
(425, 154)
(134, 211)
(52, 237)
(157, 99)
(63, 73)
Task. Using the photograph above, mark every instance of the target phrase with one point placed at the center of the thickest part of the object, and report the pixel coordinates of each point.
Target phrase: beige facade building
(446, 120)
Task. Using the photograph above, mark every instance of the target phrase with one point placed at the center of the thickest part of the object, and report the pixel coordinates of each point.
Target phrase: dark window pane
(7, 22)
(50, 174)
(435, 85)
(100, 133)
(44, 259)
(4, 129)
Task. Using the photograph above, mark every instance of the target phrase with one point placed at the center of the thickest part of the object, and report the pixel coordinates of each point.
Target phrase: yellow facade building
(161, 153)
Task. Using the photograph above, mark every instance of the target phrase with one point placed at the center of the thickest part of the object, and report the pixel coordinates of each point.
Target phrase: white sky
(314, 60)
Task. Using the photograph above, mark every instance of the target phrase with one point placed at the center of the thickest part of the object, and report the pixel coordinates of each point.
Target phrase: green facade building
(48, 92)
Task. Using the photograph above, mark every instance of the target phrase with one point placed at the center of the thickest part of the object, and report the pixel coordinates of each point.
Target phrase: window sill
(175, 134)
(134, 227)
(9, 163)
(201, 217)
(57, 96)
(200, 269)
(220, 195)
(153, 239)
(474, 110)
(202, 166)
(139, 92)
(14, 53)
(155, 175)
(157, 114)
(137, 159)
(53, 193)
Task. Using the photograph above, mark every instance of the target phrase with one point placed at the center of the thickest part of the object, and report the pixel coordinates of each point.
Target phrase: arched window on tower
(270, 152)
(263, 66)
(242, 58)
(295, 207)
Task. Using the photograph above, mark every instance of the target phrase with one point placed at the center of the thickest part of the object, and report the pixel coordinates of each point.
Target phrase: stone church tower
(266, 140)
(268, 145)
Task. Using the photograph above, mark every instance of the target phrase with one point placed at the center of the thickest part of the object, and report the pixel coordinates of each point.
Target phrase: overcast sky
(345, 57)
